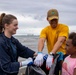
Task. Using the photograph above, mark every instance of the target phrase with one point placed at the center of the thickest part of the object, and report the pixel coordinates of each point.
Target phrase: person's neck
(7, 34)
(73, 56)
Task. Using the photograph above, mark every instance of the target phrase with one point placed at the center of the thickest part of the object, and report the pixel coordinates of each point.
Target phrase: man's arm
(39, 59)
(58, 44)
(41, 44)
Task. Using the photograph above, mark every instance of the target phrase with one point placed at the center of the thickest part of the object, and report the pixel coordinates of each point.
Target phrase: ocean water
(30, 41)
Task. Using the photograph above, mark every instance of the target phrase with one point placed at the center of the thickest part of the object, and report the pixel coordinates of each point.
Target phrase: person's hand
(49, 61)
(39, 59)
(28, 62)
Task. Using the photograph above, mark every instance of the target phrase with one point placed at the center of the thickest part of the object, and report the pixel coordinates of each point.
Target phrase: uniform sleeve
(24, 51)
(64, 31)
(5, 62)
(43, 33)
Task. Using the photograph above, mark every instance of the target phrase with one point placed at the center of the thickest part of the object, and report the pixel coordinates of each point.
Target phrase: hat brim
(53, 17)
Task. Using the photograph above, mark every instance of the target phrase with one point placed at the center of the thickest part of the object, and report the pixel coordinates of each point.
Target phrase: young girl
(11, 48)
(69, 64)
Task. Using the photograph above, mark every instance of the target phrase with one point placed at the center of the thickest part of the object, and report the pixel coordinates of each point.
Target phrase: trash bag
(54, 69)
(34, 70)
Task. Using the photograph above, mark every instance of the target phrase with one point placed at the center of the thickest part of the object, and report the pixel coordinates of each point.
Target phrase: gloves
(45, 57)
(28, 62)
(49, 61)
(39, 59)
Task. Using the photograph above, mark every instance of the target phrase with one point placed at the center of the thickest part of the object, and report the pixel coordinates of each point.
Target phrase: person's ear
(6, 25)
(47, 18)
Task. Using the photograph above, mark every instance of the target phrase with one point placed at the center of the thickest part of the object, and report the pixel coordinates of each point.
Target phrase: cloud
(72, 28)
(31, 14)
(29, 31)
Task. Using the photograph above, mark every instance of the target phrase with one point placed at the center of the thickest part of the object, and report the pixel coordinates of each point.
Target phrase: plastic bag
(53, 67)
(34, 70)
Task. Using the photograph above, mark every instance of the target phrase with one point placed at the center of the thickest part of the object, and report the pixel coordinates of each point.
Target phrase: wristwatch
(52, 54)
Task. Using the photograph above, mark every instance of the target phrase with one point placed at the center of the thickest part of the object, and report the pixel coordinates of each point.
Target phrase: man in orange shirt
(55, 36)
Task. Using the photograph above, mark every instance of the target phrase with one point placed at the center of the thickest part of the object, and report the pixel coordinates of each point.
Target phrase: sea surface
(30, 41)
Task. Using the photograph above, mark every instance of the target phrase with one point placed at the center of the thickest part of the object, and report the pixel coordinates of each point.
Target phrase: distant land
(26, 35)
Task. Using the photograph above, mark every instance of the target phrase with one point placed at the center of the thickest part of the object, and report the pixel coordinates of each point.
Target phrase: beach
(30, 41)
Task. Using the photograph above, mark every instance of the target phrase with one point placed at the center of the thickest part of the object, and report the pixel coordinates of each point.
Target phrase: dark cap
(52, 14)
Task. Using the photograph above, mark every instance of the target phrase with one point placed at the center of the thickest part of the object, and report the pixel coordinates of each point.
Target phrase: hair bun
(2, 15)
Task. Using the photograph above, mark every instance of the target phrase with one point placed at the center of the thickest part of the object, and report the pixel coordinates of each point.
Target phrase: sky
(31, 14)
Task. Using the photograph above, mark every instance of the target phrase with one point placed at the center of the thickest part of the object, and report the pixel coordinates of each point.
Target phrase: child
(69, 64)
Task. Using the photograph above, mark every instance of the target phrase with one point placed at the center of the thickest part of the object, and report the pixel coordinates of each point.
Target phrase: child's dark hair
(73, 37)
(5, 19)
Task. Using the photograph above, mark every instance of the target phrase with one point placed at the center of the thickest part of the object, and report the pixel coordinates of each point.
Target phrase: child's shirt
(68, 66)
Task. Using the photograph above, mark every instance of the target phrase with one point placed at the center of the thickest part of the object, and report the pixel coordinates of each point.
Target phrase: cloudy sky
(31, 14)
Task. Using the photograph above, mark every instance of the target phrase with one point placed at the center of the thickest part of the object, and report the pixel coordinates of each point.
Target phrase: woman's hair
(73, 37)
(1, 17)
(5, 19)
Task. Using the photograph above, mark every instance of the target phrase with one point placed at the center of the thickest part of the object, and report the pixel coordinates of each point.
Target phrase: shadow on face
(53, 23)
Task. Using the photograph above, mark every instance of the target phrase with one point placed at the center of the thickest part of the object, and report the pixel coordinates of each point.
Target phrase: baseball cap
(52, 14)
